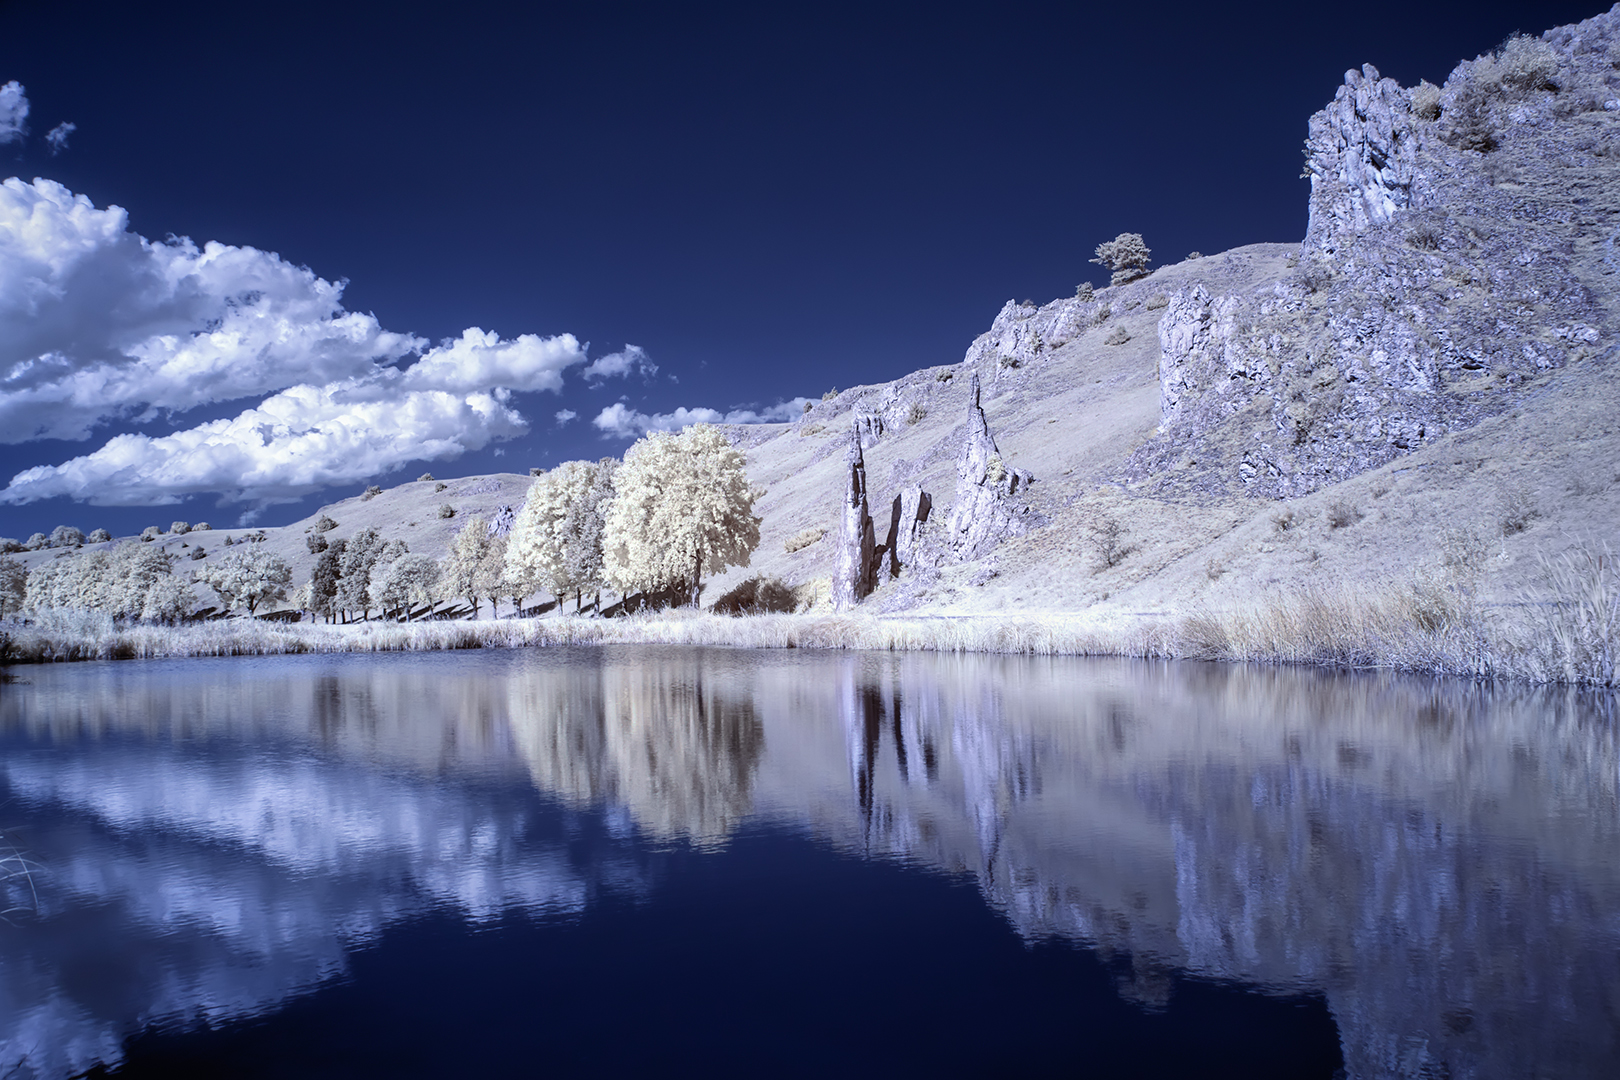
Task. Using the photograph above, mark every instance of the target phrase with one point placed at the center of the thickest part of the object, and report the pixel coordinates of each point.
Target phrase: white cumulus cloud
(97, 322)
(565, 415)
(478, 360)
(13, 112)
(620, 421)
(58, 136)
(295, 442)
(632, 359)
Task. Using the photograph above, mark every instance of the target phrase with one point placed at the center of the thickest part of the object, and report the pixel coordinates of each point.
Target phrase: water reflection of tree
(675, 743)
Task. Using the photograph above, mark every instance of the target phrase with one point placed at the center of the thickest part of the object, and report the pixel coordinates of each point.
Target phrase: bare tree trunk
(697, 576)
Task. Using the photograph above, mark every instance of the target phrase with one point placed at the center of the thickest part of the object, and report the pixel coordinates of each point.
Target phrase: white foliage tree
(249, 577)
(13, 586)
(556, 542)
(683, 506)
(355, 570)
(411, 580)
(462, 577)
(119, 581)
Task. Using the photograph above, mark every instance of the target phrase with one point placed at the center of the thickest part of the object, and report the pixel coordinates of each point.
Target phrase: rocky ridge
(1458, 242)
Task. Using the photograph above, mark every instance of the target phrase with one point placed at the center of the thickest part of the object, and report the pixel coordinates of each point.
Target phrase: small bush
(1426, 100)
(1107, 538)
(179, 528)
(1084, 292)
(1283, 520)
(1157, 301)
(1126, 255)
(1117, 336)
(202, 526)
(38, 542)
(829, 395)
(100, 536)
(371, 493)
(1342, 514)
(917, 413)
(758, 595)
(324, 524)
(536, 470)
(1191, 255)
(1516, 510)
(1099, 315)
(1008, 362)
(198, 553)
(64, 536)
(440, 486)
(801, 540)
(150, 533)
(316, 543)
(424, 477)
(228, 541)
(10, 545)
(447, 511)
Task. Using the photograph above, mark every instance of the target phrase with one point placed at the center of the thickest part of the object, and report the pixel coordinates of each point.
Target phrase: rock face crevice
(1454, 258)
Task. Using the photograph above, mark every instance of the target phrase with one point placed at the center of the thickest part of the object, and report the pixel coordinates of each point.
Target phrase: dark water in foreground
(601, 861)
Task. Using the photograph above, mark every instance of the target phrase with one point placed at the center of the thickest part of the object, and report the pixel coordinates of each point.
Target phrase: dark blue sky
(772, 200)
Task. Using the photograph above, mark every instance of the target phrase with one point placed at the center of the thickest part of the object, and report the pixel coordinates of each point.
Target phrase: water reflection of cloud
(1436, 858)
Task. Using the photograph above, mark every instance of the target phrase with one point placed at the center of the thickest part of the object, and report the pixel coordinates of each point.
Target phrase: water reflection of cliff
(1442, 861)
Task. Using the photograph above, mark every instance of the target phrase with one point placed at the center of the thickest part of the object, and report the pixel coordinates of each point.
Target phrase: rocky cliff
(1435, 355)
(1459, 250)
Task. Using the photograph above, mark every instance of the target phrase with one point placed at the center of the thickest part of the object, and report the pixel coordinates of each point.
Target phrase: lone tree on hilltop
(683, 505)
(1126, 255)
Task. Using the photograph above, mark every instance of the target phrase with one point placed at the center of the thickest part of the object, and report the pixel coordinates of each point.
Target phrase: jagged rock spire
(984, 513)
(857, 569)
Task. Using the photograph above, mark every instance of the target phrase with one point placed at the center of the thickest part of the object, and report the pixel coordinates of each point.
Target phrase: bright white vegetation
(683, 507)
(126, 582)
(556, 542)
(249, 577)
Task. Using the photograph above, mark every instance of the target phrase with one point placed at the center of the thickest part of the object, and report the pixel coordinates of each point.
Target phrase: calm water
(613, 860)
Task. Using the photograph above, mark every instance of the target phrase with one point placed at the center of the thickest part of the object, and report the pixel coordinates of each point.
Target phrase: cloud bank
(620, 421)
(13, 112)
(296, 442)
(99, 324)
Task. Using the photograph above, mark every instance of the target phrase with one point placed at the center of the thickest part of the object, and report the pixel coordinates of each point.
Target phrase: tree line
(677, 507)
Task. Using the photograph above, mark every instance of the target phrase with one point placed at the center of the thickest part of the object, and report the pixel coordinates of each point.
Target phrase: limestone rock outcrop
(907, 517)
(1361, 156)
(1454, 258)
(988, 507)
(857, 563)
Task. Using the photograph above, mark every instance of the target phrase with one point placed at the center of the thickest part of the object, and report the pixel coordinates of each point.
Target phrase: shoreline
(1398, 632)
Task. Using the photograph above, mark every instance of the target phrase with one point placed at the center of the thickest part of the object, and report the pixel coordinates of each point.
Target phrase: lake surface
(615, 860)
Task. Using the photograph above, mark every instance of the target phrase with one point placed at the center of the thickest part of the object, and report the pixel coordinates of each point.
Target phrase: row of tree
(677, 507)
